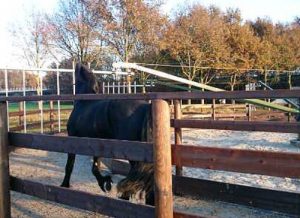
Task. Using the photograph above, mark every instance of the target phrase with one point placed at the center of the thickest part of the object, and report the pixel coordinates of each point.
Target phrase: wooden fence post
(178, 132)
(162, 159)
(248, 107)
(21, 107)
(4, 164)
(213, 109)
(51, 117)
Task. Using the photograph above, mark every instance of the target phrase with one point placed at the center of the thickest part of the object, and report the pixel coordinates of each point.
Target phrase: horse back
(127, 119)
(113, 119)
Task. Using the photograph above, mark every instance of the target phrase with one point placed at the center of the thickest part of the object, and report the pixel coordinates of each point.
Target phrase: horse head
(85, 81)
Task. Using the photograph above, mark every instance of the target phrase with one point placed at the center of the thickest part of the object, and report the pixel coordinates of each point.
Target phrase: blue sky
(13, 11)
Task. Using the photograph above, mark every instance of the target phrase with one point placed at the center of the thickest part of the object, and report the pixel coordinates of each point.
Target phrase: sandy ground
(48, 167)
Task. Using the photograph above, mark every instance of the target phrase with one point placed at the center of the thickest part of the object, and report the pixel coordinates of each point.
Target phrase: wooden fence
(212, 111)
(236, 160)
(232, 112)
(279, 164)
(54, 121)
(22, 115)
(217, 112)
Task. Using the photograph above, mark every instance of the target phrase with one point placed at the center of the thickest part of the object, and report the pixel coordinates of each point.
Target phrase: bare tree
(133, 27)
(76, 31)
(31, 38)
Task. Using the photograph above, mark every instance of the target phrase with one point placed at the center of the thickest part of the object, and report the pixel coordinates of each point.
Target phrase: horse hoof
(124, 198)
(106, 184)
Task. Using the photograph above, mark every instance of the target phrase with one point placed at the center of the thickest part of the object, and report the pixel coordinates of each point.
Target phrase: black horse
(111, 119)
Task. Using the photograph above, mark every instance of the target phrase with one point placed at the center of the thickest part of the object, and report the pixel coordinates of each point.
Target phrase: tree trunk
(128, 77)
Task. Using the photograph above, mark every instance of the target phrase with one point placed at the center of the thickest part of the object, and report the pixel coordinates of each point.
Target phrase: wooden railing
(19, 120)
(110, 148)
(280, 164)
(264, 126)
(159, 152)
(279, 93)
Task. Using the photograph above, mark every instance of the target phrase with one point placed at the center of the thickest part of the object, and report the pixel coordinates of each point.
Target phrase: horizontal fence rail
(35, 125)
(83, 200)
(280, 201)
(88, 201)
(108, 148)
(264, 126)
(264, 198)
(31, 112)
(163, 95)
(235, 160)
(238, 160)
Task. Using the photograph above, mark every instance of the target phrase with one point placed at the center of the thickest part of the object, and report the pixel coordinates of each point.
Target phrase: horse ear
(82, 73)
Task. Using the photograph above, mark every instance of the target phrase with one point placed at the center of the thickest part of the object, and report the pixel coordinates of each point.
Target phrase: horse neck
(83, 102)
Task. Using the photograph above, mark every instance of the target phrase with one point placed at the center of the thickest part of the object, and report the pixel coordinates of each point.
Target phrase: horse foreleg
(104, 182)
(150, 198)
(68, 170)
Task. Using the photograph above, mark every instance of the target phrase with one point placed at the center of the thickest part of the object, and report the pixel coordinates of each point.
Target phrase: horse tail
(146, 135)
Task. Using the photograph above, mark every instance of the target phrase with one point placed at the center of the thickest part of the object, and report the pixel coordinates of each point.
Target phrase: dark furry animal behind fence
(111, 119)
